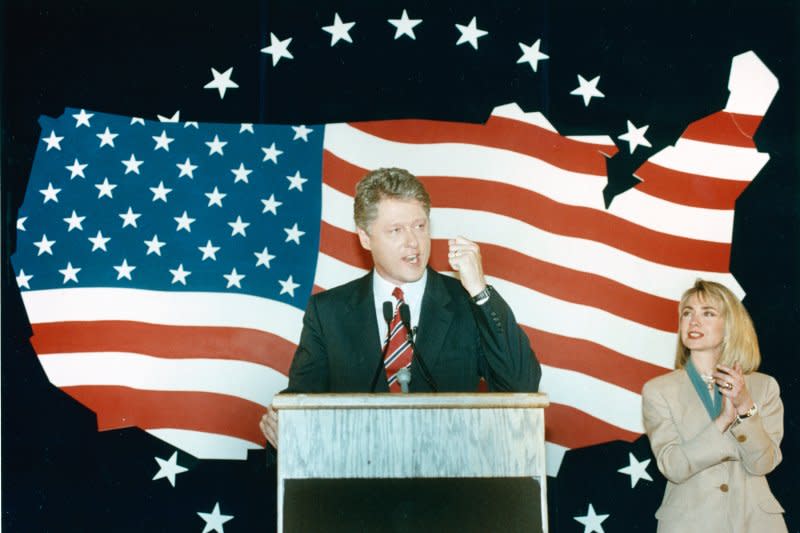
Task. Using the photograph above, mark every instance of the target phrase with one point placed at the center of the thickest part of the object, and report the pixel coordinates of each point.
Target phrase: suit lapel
(693, 413)
(362, 327)
(435, 318)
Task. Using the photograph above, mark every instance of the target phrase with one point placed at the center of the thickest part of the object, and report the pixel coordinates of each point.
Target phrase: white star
(233, 279)
(132, 165)
(179, 275)
(162, 141)
(23, 279)
(82, 118)
(76, 169)
(53, 141)
(214, 520)
(160, 192)
(293, 234)
(176, 117)
(169, 468)
(238, 227)
(137, 120)
(532, 55)
(591, 521)
(44, 245)
(635, 136)
(154, 246)
(404, 26)
(263, 258)
(296, 181)
(301, 132)
(470, 33)
(288, 286)
(215, 146)
(587, 89)
(99, 242)
(339, 30)
(21, 222)
(50, 193)
(241, 173)
(636, 470)
(105, 188)
(191, 124)
(271, 205)
(70, 273)
(215, 197)
(277, 49)
(74, 221)
(187, 169)
(107, 138)
(184, 222)
(221, 82)
(209, 251)
(246, 126)
(271, 153)
(129, 218)
(124, 270)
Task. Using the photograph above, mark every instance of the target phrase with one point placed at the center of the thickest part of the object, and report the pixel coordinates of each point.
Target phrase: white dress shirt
(412, 292)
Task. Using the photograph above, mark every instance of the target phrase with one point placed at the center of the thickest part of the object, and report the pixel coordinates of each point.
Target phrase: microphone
(387, 316)
(405, 317)
(404, 378)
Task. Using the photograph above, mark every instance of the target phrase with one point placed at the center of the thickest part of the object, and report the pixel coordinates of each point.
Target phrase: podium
(375, 462)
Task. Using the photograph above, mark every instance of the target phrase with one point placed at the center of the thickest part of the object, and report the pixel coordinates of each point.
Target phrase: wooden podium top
(460, 400)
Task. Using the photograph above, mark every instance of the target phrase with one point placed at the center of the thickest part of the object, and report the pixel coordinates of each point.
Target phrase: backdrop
(616, 87)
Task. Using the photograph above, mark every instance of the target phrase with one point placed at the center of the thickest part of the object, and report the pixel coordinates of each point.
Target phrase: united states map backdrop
(164, 263)
(166, 289)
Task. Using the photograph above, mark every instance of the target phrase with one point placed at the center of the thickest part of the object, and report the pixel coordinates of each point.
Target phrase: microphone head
(387, 311)
(405, 315)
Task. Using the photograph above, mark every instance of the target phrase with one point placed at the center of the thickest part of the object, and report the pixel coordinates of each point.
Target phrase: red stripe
(499, 132)
(121, 407)
(572, 428)
(554, 217)
(175, 342)
(553, 280)
(688, 189)
(592, 359)
(733, 129)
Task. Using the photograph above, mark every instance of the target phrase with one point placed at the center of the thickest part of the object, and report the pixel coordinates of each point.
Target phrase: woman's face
(702, 326)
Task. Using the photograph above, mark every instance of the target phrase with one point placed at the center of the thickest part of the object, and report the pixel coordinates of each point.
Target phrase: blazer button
(741, 438)
(724, 487)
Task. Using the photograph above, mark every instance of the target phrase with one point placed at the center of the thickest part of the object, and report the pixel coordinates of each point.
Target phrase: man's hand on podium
(269, 426)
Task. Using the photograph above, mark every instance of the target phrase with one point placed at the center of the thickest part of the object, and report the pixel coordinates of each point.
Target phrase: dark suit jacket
(460, 342)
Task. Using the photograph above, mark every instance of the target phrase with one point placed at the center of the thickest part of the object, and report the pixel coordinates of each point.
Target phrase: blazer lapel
(435, 318)
(362, 327)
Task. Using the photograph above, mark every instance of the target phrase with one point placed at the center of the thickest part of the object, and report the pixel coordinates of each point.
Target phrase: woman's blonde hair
(740, 342)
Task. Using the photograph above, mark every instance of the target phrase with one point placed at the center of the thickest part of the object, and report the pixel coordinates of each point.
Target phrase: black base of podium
(413, 505)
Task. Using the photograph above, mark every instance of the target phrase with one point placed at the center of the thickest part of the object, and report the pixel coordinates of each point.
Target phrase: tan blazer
(715, 481)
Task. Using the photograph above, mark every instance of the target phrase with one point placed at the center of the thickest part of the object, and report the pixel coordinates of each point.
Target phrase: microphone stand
(387, 316)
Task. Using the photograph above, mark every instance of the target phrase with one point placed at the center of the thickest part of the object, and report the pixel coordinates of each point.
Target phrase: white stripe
(165, 307)
(600, 399)
(515, 112)
(752, 85)
(582, 255)
(242, 379)
(554, 455)
(206, 445)
(467, 161)
(713, 160)
(715, 225)
(552, 315)
(332, 272)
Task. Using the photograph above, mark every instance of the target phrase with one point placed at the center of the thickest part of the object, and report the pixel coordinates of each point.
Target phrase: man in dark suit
(464, 330)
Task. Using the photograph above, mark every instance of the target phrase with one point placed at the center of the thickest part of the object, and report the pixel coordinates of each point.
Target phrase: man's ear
(363, 236)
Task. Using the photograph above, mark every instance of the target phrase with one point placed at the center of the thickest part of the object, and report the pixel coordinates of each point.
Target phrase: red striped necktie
(398, 352)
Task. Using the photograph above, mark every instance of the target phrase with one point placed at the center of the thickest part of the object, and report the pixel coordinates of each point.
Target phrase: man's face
(399, 239)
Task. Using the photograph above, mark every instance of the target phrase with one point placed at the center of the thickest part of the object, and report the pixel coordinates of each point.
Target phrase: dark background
(662, 65)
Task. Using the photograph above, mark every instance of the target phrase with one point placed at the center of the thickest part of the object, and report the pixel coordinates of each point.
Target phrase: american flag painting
(177, 183)
(166, 289)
